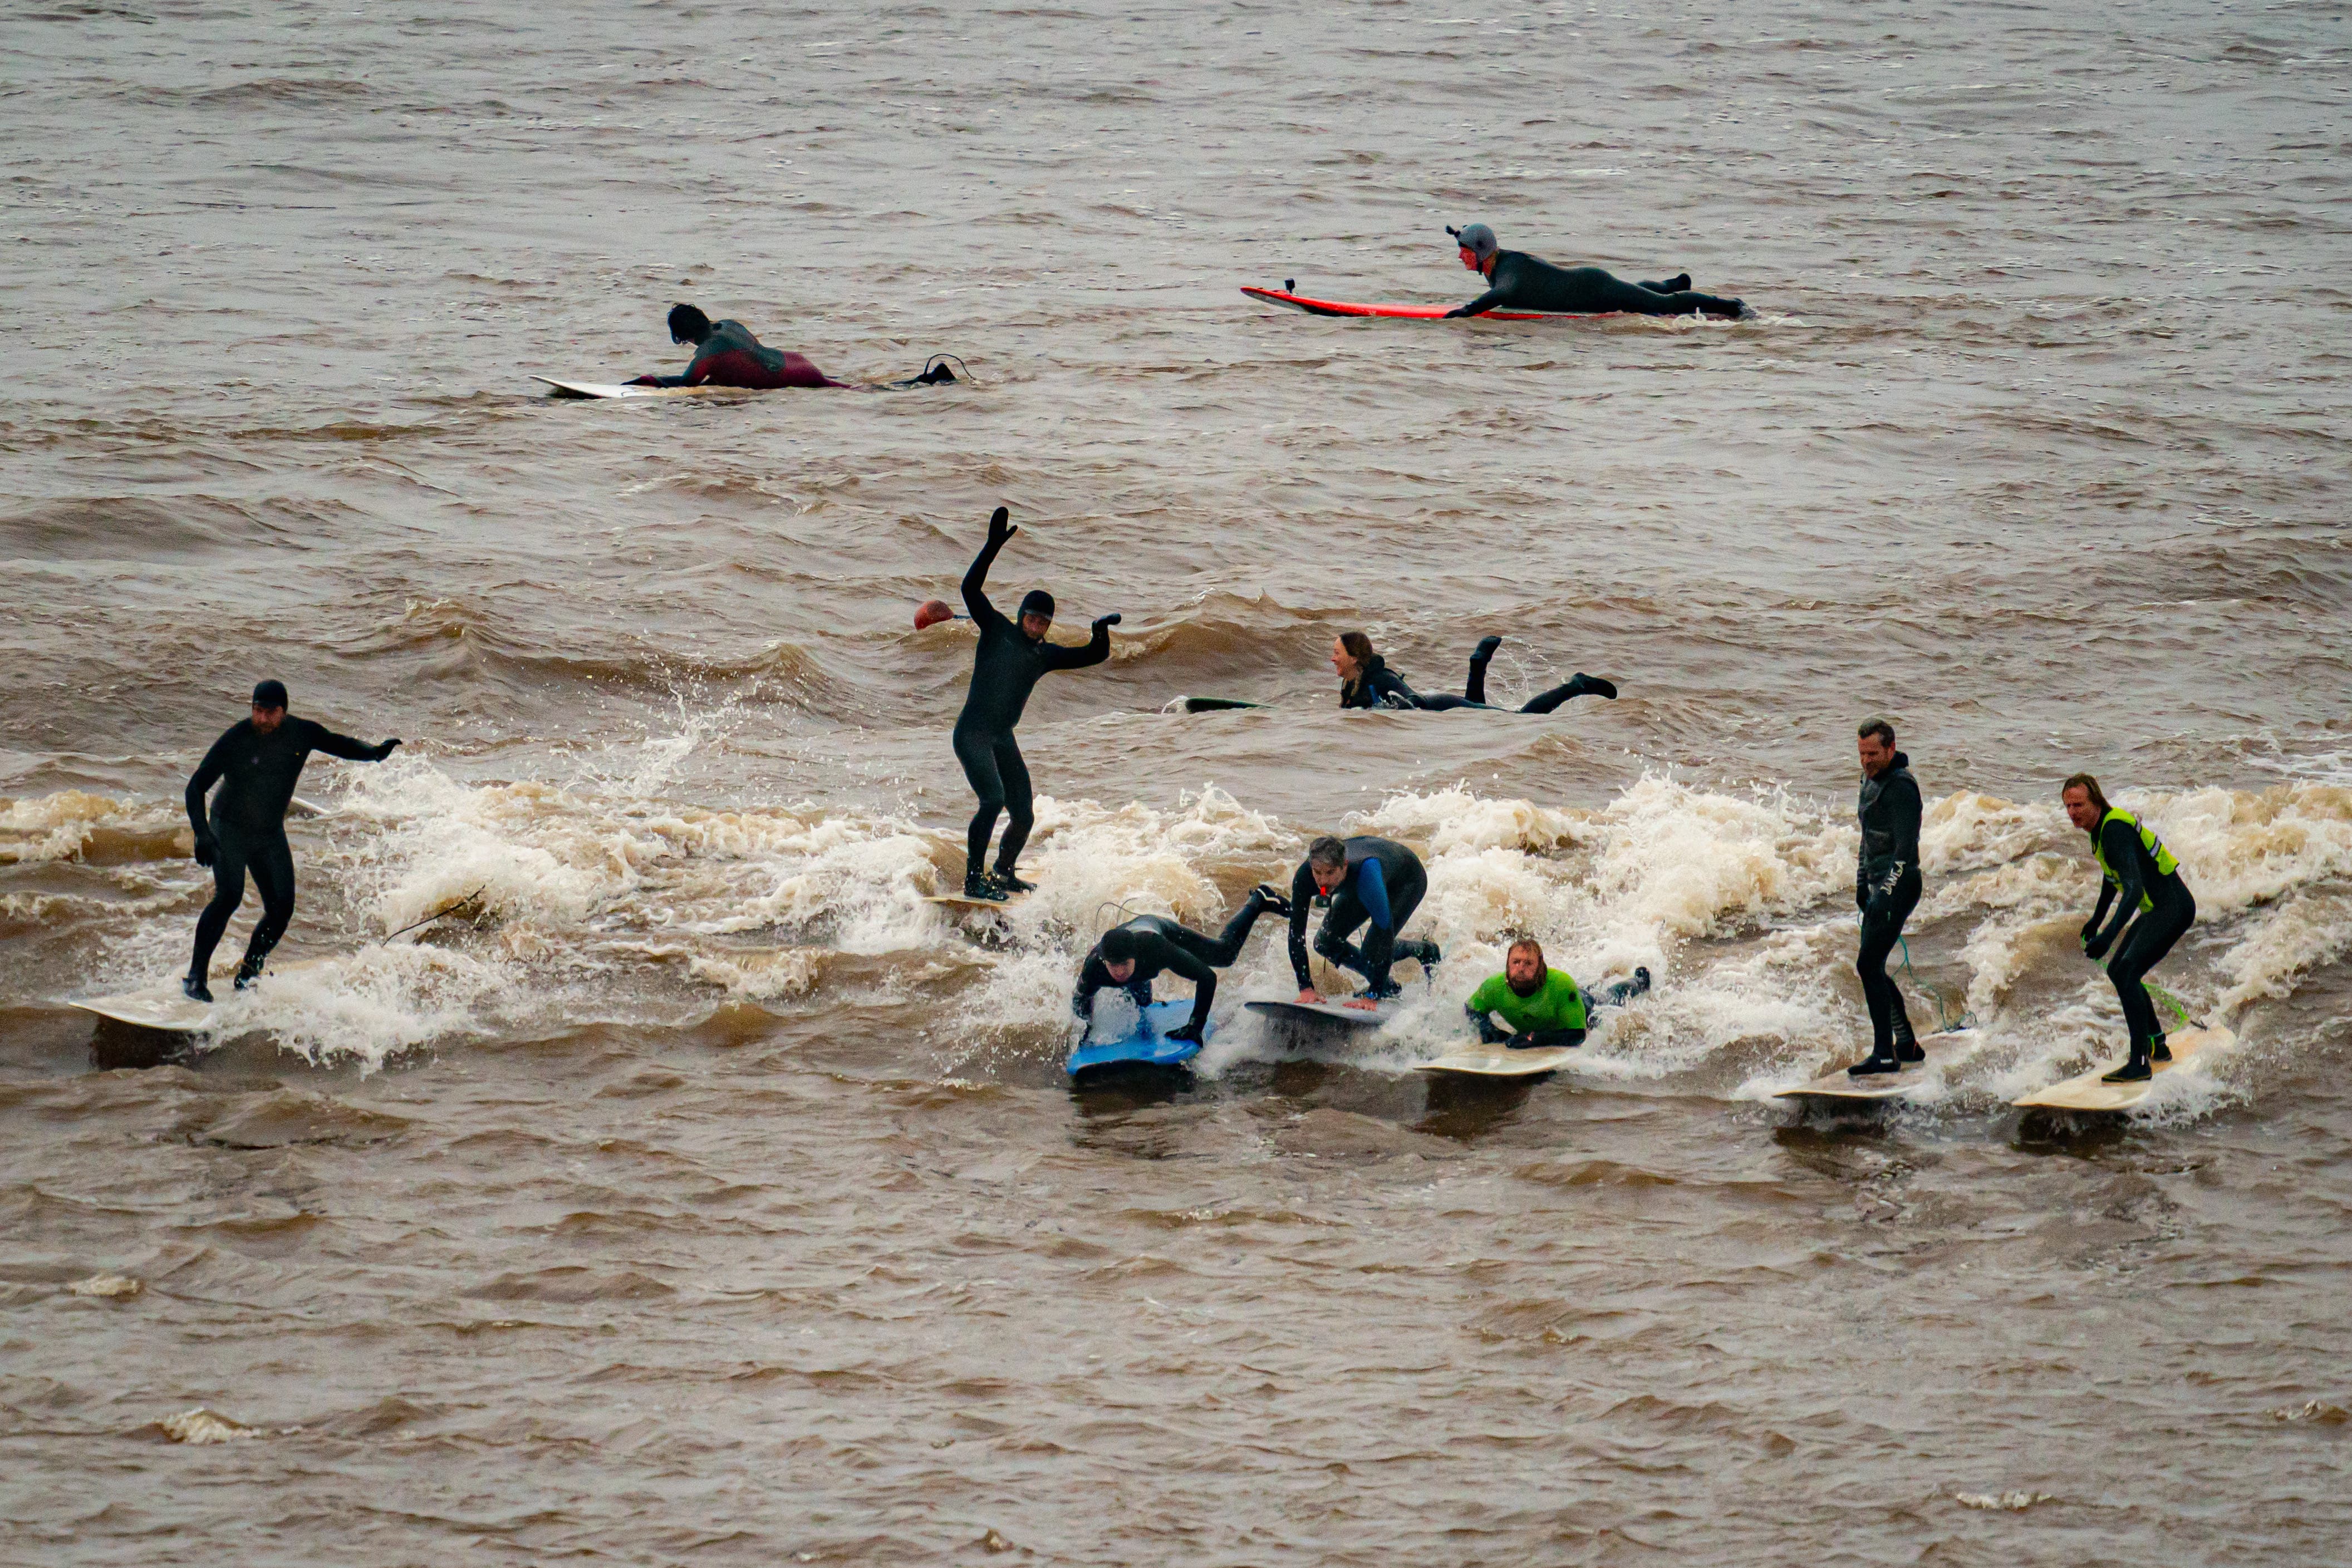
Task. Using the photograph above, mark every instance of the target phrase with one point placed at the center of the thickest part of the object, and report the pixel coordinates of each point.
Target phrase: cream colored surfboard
(615, 390)
(957, 901)
(166, 1006)
(1499, 1062)
(1943, 1051)
(2086, 1092)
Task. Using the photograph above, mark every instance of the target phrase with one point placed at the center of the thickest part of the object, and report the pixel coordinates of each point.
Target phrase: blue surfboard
(1148, 1046)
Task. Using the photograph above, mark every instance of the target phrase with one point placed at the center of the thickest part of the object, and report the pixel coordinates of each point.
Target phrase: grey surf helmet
(1477, 239)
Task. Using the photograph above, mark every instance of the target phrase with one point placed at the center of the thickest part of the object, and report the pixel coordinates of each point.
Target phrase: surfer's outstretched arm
(1097, 650)
(1000, 529)
(1478, 307)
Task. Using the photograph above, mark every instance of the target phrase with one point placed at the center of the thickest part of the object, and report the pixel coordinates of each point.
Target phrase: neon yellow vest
(2166, 864)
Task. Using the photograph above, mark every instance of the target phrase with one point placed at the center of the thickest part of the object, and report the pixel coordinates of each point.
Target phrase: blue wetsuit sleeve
(1372, 892)
(2123, 851)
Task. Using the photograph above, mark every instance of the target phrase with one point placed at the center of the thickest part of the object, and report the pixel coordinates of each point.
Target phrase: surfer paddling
(256, 762)
(1366, 680)
(1517, 281)
(1366, 879)
(1886, 890)
(1012, 655)
(1540, 1007)
(1131, 955)
(2141, 880)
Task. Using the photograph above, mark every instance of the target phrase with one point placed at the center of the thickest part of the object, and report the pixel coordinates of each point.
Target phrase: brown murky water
(712, 1199)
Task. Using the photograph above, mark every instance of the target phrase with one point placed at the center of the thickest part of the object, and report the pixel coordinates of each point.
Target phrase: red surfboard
(1409, 312)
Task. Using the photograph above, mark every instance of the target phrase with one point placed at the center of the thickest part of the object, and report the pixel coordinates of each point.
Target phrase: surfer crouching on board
(1011, 658)
(1517, 281)
(727, 355)
(1367, 879)
(256, 762)
(1131, 955)
(2142, 882)
(1886, 890)
(1366, 680)
(1541, 1006)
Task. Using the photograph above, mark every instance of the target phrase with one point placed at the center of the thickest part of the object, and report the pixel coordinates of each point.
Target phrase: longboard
(1499, 1060)
(2085, 1092)
(957, 901)
(1405, 312)
(1148, 1046)
(609, 389)
(165, 1007)
(1944, 1052)
(1327, 1012)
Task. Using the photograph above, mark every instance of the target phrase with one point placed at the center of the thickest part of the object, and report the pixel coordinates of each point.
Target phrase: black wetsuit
(1005, 668)
(2132, 875)
(731, 357)
(1887, 887)
(1518, 281)
(246, 831)
(1379, 687)
(1163, 947)
(1388, 900)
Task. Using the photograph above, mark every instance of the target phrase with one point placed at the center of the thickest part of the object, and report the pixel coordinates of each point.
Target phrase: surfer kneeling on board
(1011, 657)
(1366, 880)
(1366, 680)
(1517, 281)
(256, 762)
(727, 355)
(1543, 1007)
(1886, 890)
(2142, 882)
(1131, 955)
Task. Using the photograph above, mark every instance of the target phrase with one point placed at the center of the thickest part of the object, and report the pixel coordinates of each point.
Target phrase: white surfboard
(165, 1007)
(1355, 1015)
(1499, 1060)
(1944, 1052)
(611, 389)
(2086, 1092)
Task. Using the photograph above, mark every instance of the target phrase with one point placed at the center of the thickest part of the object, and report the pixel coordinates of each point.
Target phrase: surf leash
(444, 910)
(1945, 1022)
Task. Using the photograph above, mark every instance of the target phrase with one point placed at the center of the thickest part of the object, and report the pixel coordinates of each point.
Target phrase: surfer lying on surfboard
(1131, 955)
(727, 355)
(1517, 281)
(2142, 882)
(1364, 879)
(256, 762)
(1366, 680)
(1543, 1007)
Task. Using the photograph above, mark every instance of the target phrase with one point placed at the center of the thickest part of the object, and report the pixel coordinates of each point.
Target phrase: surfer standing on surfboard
(1365, 879)
(2142, 879)
(1366, 680)
(1886, 890)
(1132, 955)
(1517, 281)
(1543, 1007)
(1010, 659)
(256, 762)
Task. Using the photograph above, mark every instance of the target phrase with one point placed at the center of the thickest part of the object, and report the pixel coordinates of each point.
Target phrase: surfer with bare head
(1540, 1006)
(1886, 885)
(1364, 879)
(727, 355)
(2153, 909)
(1366, 680)
(1012, 656)
(1517, 281)
(256, 762)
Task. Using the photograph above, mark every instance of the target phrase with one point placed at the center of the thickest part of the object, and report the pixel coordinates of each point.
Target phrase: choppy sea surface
(705, 1195)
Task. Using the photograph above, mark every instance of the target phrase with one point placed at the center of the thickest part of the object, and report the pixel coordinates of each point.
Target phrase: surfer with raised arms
(1366, 879)
(1132, 955)
(1366, 680)
(256, 762)
(1886, 890)
(2141, 880)
(1012, 656)
(1540, 1006)
(1517, 281)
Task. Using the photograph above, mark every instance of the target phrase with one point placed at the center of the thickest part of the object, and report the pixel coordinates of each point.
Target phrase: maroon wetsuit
(731, 357)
